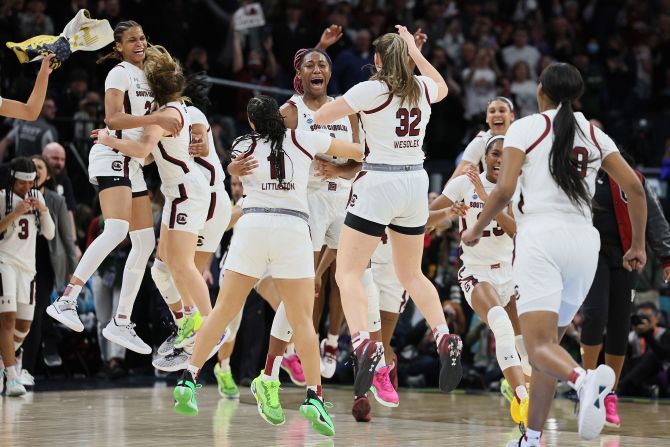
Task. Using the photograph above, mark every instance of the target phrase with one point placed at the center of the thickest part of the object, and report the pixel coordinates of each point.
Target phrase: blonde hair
(164, 74)
(395, 71)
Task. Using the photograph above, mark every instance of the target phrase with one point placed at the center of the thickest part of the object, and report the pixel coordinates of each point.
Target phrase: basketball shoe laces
(384, 378)
(271, 391)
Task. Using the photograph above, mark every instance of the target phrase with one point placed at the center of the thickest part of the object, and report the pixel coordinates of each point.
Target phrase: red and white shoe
(291, 364)
(328, 359)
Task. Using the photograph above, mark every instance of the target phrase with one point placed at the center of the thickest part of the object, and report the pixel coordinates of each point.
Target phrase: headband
(492, 141)
(503, 99)
(26, 176)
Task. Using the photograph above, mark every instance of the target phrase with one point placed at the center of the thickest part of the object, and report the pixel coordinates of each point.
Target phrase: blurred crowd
(483, 48)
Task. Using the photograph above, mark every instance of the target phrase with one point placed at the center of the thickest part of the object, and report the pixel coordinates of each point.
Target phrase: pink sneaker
(382, 388)
(291, 364)
(612, 418)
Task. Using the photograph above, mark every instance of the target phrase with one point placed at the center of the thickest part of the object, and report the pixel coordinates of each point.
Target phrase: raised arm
(30, 110)
(425, 67)
(333, 111)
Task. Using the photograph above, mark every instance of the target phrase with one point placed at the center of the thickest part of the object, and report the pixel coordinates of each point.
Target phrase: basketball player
(557, 247)
(499, 116)
(184, 186)
(123, 194)
(23, 214)
(391, 191)
(30, 110)
(218, 216)
(486, 272)
(272, 235)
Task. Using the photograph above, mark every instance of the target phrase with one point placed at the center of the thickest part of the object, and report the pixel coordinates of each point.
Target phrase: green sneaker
(314, 410)
(506, 390)
(267, 396)
(186, 333)
(185, 402)
(227, 387)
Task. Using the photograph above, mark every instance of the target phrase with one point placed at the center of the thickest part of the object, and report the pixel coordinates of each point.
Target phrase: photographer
(649, 346)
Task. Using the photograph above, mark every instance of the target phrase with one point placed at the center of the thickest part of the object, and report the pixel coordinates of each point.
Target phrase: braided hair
(197, 91)
(298, 59)
(263, 112)
(20, 164)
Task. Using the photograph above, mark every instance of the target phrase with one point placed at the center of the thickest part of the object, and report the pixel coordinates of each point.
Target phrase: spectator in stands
(523, 90)
(479, 82)
(453, 40)
(594, 97)
(54, 154)
(196, 61)
(68, 102)
(520, 50)
(649, 346)
(33, 21)
(28, 138)
(88, 117)
(350, 64)
(291, 34)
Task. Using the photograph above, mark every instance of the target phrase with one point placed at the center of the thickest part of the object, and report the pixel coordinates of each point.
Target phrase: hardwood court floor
(144, 417)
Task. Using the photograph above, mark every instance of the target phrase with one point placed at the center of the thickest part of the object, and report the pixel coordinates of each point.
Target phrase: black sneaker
(451, 370)
(368, 355)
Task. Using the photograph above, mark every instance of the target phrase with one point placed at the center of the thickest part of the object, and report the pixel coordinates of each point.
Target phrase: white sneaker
(167, 347)
(15, 388)
(26, 378)
(328, 359)
(64, 310)
(597, 385)
(125, 336)
(176, 361)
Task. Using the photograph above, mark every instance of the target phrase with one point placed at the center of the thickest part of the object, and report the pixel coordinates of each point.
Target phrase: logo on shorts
(352, 201)
(181, 218)
(201, 241)
(117, 166)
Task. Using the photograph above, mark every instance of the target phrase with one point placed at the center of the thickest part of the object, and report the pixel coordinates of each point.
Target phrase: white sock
(72, 291)
(224, 364)
(143, 242)
(577, 378)
(332, 339)
(194, 370)
(359, 338)
(272, 364)
(521, 393)
(12, 372)
(290, 350)
(439, 332)
(381, 364)
(532, 438)
(114, 233)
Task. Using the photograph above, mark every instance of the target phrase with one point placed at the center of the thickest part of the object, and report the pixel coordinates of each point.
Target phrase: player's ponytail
(395, 69)
(263, 112)
(197, 91)
(119, 29)
(164, 75)
(563, 84)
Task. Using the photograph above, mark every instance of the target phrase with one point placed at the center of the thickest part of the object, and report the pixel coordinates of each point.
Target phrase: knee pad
(234, 326)
(163, 280)
(502, 329)
(372, 292)
(143, 244)
(19, 334)
(115, 231)
(521, 349)
(281, 328)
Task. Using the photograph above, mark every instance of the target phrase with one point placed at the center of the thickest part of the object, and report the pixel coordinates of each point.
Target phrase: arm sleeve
(47, 225)
(117, 79)
(474, 151)
(454, 189)
(518, 133)
(430, 86)
(365, 96)
(312, 142)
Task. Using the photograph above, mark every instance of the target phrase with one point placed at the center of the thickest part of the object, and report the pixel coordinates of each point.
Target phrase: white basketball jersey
(171, 153)
(394, 132)
(262, 187)
(138, 97)
(540, 195)
(495, 246)
(17, 243)
(475, 151)
(210, 165)
(340, 129)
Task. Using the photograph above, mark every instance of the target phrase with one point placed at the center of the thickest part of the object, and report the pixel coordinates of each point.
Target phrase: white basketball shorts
(499, 277)
(17, 291)
(103, 161)
(218, 218)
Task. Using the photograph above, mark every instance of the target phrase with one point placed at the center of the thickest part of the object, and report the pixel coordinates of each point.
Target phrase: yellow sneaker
(519, 411)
